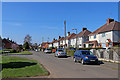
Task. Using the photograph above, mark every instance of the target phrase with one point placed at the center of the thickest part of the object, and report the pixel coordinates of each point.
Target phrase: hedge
(70, 52)
(11, 50)
(89, 48)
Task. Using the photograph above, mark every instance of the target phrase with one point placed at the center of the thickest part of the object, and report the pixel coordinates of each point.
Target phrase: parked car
(72, 48)
(85, 56)
(47, 50)
(60, 53)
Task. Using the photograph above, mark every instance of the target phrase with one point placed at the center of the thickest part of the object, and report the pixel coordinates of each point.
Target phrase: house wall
(91, 38)
(50, 45)
(73, 42)
(56, 44)
(116, 36)
(112, 35)
(108, 35)
(80, 42)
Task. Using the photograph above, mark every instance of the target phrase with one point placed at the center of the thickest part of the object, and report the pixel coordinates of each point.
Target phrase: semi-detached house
(106, 36)
(81, 38)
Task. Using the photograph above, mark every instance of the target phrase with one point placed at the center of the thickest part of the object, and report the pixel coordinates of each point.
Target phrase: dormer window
(95, 36)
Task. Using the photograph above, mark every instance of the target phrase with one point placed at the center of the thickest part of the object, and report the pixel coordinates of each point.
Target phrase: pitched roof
(54, 41)
(112, 26)
(60, 39)
(84, 33)
(70, 36)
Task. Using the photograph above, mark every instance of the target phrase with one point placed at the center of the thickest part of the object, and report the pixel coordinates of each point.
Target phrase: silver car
(47, 50)
(60, 53)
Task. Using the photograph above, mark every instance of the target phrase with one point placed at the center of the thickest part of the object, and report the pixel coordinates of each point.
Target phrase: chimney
(109, 20)
(59, 37)
(83, 29)
(53, 39)
(68, 33)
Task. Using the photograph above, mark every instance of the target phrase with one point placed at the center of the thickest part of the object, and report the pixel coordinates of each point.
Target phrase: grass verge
(22, 53)
(13, 67)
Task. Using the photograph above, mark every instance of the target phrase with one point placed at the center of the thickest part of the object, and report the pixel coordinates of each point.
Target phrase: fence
(108, 55)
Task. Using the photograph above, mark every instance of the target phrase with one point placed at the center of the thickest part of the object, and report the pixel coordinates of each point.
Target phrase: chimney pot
(53, 38)
(59, 37)
(68, 33)
(83, 29)
(109, 20)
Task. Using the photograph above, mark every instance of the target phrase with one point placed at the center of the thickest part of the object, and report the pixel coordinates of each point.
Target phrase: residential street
(67, 68)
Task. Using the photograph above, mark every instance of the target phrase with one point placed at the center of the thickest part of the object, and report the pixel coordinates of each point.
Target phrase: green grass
(24, 53)
(14, 67)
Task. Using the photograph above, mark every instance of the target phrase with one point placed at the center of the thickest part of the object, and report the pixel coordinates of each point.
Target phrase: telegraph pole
(42, 39)
(65, 32)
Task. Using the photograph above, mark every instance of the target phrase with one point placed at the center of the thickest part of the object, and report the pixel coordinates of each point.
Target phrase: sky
(46, 19)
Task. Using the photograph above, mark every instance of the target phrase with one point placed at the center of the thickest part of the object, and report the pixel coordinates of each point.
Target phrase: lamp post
(76, 36)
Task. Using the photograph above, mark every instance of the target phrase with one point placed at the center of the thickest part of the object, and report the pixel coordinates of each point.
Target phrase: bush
(89, 48)
(70, 52)
(11, 50)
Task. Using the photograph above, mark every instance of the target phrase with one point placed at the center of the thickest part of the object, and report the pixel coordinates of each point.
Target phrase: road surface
(67, 68)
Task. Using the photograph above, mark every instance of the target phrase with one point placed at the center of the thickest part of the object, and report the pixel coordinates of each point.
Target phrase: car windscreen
(87, 53)
(47, 49)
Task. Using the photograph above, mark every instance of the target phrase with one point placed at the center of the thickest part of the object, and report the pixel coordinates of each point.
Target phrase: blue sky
(40, 19)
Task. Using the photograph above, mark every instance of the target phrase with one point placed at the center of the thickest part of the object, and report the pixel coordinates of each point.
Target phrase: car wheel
(82, 61)
(74, 60)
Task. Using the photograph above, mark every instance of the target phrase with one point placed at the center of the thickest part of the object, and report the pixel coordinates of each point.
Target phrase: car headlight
(86, 57)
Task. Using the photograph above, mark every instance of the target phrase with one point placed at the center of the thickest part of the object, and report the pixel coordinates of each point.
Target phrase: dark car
(72, 48)
(85, 56)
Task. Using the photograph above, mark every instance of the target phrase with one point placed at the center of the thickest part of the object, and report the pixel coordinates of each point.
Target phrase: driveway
(67, 68)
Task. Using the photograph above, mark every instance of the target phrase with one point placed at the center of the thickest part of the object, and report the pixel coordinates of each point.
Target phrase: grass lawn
(24, 52)
(13, 67)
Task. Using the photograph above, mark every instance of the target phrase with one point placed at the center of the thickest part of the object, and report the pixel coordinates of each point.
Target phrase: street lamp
(76, 36)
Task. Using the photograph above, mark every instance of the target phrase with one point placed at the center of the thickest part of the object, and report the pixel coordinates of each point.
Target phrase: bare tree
(28, 39)
(0, 41)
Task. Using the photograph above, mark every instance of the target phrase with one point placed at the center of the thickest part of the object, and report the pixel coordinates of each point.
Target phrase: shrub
(89, 48)
(70, 52)
(11, 50)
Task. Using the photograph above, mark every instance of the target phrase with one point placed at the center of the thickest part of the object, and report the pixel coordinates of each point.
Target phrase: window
(103, 35)
(94, 36)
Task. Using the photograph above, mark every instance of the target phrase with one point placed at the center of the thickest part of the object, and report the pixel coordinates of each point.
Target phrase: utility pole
(65, 32)
(42, 39)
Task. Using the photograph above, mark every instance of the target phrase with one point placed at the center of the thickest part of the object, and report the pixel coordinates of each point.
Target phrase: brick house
(105, 36)
(45, 45)
(9, 44)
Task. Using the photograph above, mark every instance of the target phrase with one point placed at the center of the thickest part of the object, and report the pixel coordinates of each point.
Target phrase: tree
(0, 41)
(28, 39)
(26, 45)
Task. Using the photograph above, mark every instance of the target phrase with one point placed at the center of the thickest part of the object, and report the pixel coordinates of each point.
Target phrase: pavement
(67, 68)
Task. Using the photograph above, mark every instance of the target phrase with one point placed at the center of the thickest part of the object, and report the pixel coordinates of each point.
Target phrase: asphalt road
(67, 68)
